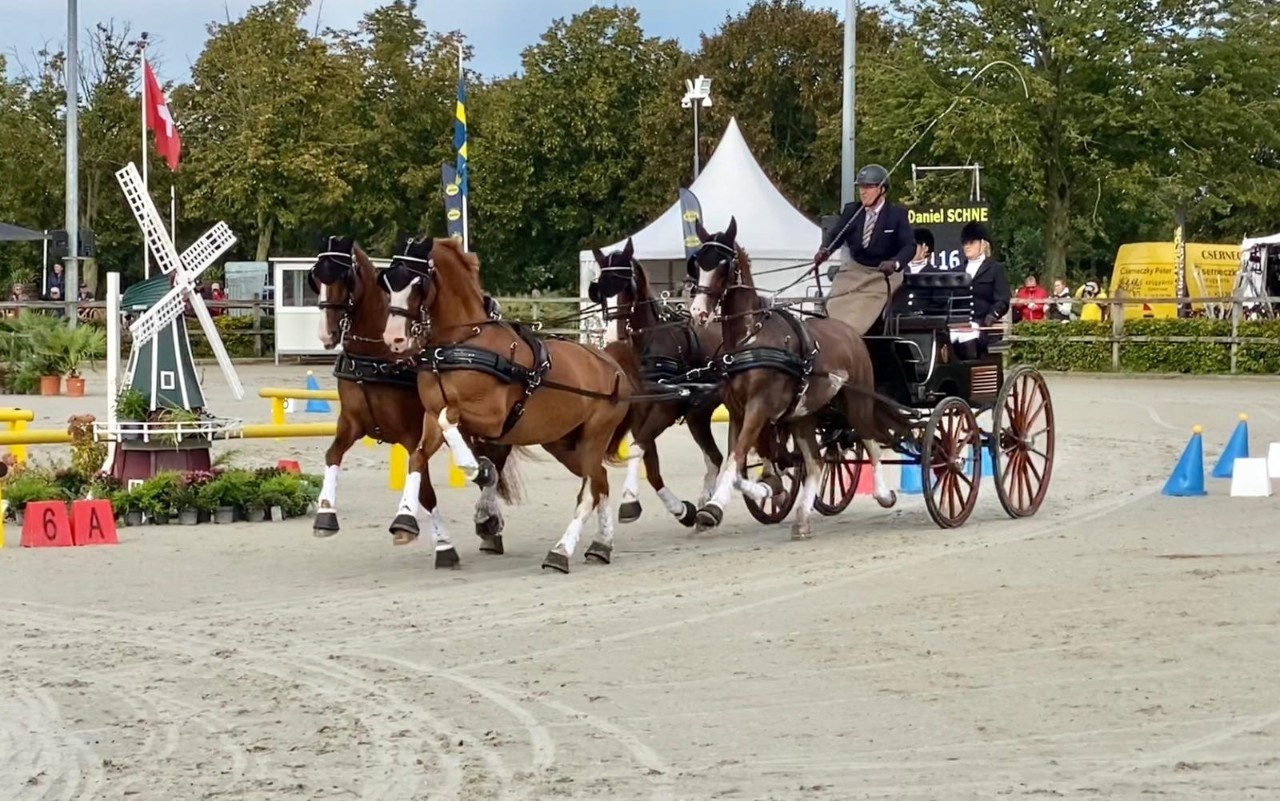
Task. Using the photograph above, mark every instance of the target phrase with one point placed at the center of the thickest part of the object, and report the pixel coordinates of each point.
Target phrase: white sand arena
(1118, 645)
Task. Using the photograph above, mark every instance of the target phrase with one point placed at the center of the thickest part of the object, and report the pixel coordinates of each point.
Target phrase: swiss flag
(168, 143)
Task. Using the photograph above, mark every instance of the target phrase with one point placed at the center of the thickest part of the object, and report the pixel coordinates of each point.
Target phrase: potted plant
(227, 492)
(75, 346)
(27, 486)
(132, 407)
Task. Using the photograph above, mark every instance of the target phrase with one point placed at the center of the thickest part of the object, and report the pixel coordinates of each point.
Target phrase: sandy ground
(1119, 645)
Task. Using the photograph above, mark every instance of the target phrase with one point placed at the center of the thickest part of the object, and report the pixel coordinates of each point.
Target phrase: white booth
(297, 315)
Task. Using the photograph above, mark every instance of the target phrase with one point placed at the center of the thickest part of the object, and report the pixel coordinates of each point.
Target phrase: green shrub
(1045, 345)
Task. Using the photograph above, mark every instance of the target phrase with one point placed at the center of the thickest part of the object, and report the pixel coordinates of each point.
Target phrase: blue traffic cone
(315, 405)
(1237, 448)
(910, 483)
(1187, 479)
(987, 469)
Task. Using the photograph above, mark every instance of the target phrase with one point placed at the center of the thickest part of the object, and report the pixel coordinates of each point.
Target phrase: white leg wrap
(708, 480)
(882, 491)
(755, 489)
(462, 455)
(631, 487)
(329, 490)
(438, 534)
(674, 505)
(569, 542)
(605, 514)
(725, 483)
(409, 498)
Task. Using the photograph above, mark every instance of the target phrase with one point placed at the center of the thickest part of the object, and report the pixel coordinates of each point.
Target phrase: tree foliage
(1130, 112)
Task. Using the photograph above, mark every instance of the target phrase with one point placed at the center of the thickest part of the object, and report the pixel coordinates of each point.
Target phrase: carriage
(917, 366)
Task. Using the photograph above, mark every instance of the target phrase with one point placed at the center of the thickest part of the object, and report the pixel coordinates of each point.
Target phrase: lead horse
(378, 397)
(784, 375)
(669, 348)
(497, 382)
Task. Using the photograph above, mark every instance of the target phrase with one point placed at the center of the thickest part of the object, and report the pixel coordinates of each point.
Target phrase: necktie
(868, 226)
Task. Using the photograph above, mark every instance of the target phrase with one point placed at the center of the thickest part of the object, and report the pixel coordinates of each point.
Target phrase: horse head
(409, 272)
(712, 268)
(622, 282)
(334, 280)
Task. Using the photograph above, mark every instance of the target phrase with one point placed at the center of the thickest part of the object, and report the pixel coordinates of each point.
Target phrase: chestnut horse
(499, 383)
(785, 375)
(379, 398)
(668, 347)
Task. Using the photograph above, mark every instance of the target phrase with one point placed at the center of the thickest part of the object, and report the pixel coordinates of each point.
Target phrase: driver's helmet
(873, 175)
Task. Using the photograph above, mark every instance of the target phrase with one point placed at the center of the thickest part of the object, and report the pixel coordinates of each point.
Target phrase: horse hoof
(629, 512)
(404, 529)
(799, 532)
(325, 525)
(709, 516)
(556, 561)
(600, 552)
(689, 516)
(893, 498)
(486, 473)
(447, 558)
(489, 527)
(491, 544)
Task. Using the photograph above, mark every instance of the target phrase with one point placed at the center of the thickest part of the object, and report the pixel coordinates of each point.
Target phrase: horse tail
(890, 420)
(509, 484)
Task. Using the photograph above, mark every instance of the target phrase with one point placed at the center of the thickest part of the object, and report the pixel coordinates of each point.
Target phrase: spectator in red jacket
(1030, 298)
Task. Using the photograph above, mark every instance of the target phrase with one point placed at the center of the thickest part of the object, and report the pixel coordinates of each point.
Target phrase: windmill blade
(157, 318)
(144, 211)
(206, 250)
(215, 342)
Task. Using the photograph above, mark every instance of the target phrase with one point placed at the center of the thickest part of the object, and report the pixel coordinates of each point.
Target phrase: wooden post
(1235, 331)
(1117, 331)
(257, 324)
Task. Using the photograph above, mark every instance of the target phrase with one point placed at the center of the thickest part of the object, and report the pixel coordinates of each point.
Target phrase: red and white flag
(168, 143)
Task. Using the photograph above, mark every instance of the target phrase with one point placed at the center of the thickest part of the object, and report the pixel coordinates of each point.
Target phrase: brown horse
(785, 375)
(379, 398)
(668, 346)
(499, 383)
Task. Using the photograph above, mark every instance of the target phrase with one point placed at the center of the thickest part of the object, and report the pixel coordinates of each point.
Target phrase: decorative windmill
(161, 365)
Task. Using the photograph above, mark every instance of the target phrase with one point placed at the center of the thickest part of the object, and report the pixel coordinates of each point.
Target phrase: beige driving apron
(858, 295)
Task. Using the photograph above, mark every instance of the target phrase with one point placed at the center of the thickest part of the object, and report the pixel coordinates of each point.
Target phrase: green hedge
(1045, 345)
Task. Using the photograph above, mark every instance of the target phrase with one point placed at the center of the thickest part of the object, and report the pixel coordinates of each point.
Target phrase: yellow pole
(277, 411)
(399, 467)
(19, 451)
(457, 479)
(1, 518)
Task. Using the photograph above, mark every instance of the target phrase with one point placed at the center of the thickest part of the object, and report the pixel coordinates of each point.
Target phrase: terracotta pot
(75, 386)
(50, 385)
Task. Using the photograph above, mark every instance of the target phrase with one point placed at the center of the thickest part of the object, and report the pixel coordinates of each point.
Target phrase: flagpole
(146, 254)
(173, 215)
(466, 240)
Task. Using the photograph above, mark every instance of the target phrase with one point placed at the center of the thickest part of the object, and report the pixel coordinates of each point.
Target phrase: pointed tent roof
(16, 233)
(733, 184)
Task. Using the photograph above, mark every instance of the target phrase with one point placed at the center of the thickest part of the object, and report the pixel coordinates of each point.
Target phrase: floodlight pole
(72, 284)
(848, 127)
(697, 92)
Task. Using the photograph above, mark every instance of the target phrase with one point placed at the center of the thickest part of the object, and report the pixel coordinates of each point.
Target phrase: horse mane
(470, 260)
(364, 265)
(744, 264)
(643, 289)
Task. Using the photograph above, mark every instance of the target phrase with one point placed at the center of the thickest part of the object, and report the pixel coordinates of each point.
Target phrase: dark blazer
(891, 239)
(991, 293)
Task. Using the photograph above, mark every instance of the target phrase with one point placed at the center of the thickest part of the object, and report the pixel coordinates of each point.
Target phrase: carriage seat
(932, 301)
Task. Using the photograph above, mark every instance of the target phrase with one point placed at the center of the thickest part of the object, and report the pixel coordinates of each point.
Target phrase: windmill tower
(161, 366)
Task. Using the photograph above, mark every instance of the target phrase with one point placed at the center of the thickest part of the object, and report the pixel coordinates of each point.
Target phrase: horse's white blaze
(610, 326)
(487, 506)
(329, 489)
(396, 334)
(438, 533)
(882, 491)
(674, 505)
(605, 513)
(569, 542)
(462, 455)
(326, 336)
(701, 307)
(631, 487)
(409, 498)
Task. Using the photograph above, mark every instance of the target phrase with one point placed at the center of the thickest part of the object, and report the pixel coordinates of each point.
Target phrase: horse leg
(481, 470)
(585, 458)
(638, 451)
(733, 474)
(489, 522)
(806, 438)
(326, 522)
(699, 423)
(884, 496)
(662, 418)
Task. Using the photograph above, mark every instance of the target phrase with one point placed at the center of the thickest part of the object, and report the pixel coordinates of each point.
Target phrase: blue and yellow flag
(460, 138)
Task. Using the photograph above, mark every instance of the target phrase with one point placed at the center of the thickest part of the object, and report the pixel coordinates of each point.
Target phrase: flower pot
(204, 516)
(75, 386)
(18, 516)
(277, 514)
(255, 514)
(133, 517)
(188, 517)
(161, 519)
(224, 514)
(50, 385)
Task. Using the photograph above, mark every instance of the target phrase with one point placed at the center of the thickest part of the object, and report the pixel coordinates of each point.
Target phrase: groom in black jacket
(881, 243)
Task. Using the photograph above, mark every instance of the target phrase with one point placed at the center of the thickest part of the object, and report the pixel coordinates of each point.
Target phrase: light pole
(847, 151)
(72, 291)
(696, 90)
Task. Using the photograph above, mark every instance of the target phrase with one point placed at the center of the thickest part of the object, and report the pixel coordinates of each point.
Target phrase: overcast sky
(498, 29)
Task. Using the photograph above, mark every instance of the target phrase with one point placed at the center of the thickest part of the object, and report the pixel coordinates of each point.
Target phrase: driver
(881, 243)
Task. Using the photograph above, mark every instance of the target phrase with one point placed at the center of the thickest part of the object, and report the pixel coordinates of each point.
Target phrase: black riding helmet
(873, 175)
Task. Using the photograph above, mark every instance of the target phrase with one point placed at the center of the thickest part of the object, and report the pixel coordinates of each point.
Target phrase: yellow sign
(454, 215)
(1146, 270)
(691, 216)
(692, 241)
(451, 189)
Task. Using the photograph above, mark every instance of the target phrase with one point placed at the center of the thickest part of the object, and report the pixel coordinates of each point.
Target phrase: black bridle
(346, 264)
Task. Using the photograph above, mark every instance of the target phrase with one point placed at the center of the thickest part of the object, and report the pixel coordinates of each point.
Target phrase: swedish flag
(460, 138)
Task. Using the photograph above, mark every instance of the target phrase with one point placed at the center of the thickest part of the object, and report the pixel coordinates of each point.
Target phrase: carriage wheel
(1022, 427)
(839, 481)
(952, 463)
(776, 508)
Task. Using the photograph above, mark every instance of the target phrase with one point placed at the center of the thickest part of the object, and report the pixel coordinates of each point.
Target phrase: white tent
(1255, 266)
(773, 232)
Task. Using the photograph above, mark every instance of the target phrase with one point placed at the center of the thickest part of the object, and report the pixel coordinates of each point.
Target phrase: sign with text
(946, 221)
